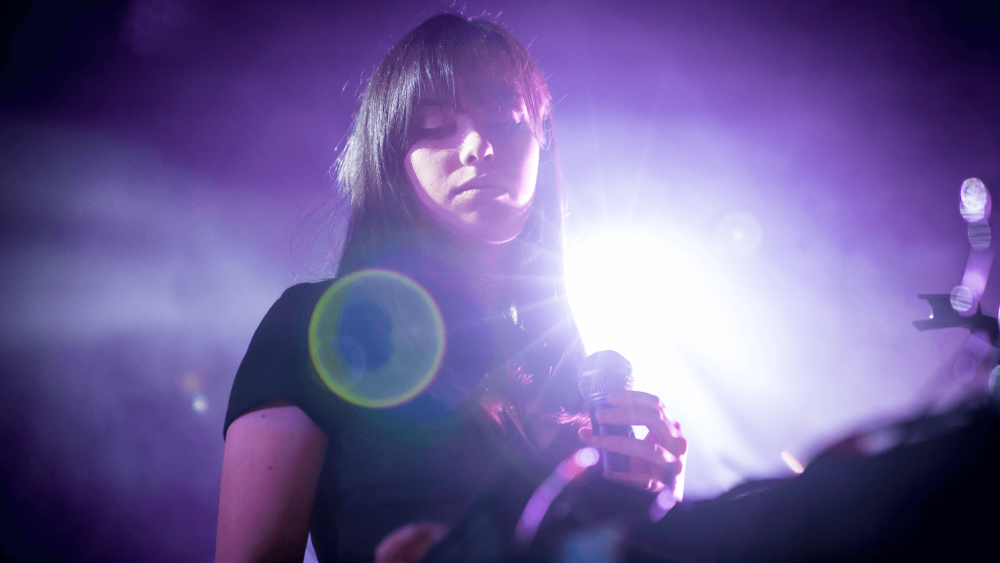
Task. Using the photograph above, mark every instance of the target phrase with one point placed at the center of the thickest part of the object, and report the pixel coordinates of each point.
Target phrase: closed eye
(433, 132)
(433, 120)
(510, 124)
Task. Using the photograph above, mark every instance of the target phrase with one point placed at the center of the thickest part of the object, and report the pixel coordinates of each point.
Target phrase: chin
(501, 232)
(489, 234)
(491, 230)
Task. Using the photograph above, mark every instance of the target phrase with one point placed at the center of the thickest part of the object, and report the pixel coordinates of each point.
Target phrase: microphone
(601, 374)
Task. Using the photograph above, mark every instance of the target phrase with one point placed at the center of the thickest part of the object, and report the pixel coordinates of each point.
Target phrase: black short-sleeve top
(427, 459)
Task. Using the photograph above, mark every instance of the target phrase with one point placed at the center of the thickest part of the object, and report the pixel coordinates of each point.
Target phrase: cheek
(425, 171)
(416, 167)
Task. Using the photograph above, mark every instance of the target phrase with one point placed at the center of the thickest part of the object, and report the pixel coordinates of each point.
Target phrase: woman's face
(474, 171)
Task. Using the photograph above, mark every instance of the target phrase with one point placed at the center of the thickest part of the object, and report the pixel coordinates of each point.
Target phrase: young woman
(453, 181)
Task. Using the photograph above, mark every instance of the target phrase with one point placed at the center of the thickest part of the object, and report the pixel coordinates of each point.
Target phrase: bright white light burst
(687, 316)
(655, 302)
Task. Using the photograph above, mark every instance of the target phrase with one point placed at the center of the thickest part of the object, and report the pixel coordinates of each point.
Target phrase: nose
(475, 148)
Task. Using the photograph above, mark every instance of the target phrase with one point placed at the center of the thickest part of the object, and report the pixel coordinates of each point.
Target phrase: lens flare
(961, 298)
(974, 193)
(975, 204)
(199, 403)
(585, 457)
(980, 235)
(792, 463)
(376, 338)
(540, 501)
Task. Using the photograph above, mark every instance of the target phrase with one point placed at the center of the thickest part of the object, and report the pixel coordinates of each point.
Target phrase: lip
(484, 188)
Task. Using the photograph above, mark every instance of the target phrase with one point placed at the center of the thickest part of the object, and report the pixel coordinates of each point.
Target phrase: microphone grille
(604, 372)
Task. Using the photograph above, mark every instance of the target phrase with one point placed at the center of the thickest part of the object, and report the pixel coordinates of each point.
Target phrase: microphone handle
(610, 461)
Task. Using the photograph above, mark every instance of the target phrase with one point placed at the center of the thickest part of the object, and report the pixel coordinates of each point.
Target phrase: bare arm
(270, 470)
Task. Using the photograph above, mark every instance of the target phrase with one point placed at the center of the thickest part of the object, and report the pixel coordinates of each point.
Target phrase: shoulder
(304, 294)
(276, 366)
(296, 304)
(280, 340)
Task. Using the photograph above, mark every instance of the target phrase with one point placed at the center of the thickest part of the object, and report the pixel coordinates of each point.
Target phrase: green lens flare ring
(376, 338)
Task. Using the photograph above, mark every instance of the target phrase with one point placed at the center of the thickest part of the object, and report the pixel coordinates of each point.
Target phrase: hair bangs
(450, 57)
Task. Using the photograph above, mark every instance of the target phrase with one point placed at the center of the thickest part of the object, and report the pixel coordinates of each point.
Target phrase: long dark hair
(495, 69)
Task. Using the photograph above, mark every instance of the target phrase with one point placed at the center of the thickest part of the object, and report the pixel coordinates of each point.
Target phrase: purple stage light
(163, 161)
(962, 298)
(975, 200)
(980, 235)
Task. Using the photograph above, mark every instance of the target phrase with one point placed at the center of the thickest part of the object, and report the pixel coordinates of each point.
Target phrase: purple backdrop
(165, 175)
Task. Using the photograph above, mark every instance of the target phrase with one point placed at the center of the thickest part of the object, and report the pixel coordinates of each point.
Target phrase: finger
(585, 434)
(630, 415)
(645, 450)
(661, 428)
(650, 483)
(628, 397)
(675, 443)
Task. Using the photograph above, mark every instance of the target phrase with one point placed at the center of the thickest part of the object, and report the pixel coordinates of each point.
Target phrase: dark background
(164, 167)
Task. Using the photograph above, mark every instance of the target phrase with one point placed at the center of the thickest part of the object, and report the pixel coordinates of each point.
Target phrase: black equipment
(943, 315)
(925, 489)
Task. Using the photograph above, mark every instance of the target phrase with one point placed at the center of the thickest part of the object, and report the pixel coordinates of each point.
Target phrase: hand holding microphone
(654, 463)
